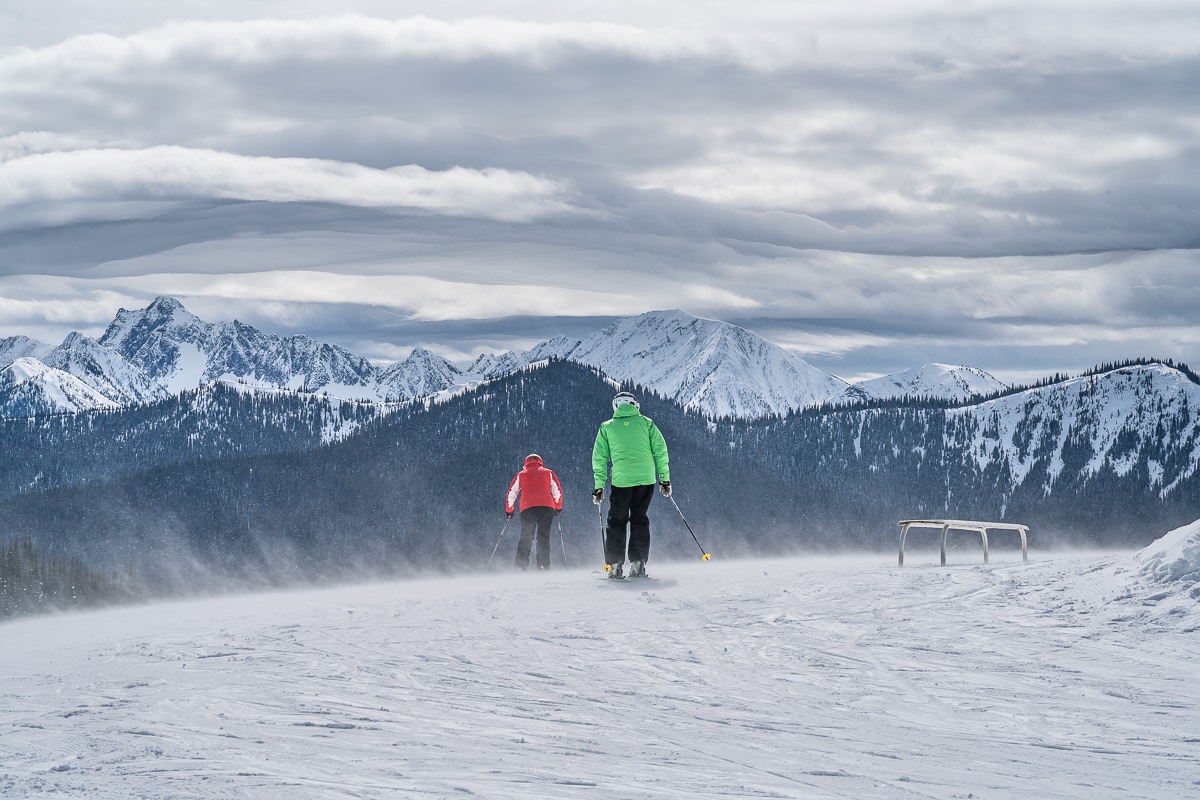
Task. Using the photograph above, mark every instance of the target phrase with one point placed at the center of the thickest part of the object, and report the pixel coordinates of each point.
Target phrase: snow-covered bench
(946, 525)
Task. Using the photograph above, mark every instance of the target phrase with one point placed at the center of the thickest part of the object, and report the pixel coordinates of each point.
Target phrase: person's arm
(600, 457)
(510, 499)
(658, 448)
(556, 491)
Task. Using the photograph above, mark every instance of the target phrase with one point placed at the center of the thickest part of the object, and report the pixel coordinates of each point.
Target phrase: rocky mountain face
(162, 350)
(180, 351)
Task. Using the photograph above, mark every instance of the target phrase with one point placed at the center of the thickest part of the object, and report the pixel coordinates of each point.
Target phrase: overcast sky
(873, 185)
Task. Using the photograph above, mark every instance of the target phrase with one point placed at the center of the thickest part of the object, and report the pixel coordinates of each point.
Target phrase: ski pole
(706, 556)
(561, 540)
(603, 538)
(498, 538)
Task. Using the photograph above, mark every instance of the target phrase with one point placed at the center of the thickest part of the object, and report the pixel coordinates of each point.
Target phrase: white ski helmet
(625, 398)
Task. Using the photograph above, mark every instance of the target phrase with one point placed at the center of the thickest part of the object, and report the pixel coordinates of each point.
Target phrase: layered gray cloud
(1009, 185)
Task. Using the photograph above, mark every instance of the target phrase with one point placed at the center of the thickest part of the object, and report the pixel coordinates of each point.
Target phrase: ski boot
(637, 569)
(615, 572)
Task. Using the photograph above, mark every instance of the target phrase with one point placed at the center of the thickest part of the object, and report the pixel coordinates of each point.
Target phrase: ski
(624, 579)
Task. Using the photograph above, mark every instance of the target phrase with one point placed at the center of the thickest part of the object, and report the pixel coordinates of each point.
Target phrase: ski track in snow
(1065, 677)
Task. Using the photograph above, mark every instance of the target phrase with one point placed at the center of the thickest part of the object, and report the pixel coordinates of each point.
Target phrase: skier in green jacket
(638, 453)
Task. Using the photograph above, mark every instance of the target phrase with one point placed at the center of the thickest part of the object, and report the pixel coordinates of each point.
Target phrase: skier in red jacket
(541, 500)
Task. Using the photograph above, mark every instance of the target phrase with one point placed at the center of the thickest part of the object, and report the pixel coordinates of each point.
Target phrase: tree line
(32, 581)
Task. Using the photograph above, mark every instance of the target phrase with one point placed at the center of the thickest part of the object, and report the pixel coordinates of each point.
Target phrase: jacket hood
(627, 410)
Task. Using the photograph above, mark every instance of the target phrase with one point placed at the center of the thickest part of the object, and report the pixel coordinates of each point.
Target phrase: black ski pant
(535, 521)
(627, 506)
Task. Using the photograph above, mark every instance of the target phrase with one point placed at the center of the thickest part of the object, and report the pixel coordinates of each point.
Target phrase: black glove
(665, 488)
(508, 514)
(597, 496)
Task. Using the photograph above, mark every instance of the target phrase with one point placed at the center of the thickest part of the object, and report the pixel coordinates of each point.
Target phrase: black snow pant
(627, 505)
(535, 521)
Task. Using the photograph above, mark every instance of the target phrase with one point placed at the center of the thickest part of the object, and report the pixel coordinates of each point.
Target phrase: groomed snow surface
(1071, 676)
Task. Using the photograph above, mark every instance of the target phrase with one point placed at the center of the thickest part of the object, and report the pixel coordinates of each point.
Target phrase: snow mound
(1174, 559)
(1162, 583)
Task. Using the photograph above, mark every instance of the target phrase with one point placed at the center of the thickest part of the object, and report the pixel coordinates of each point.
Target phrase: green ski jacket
(634, 445)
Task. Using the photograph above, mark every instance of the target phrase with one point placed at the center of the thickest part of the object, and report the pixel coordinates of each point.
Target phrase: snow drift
(1175, 558)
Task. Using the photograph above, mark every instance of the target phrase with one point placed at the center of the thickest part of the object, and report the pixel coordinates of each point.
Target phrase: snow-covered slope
(1143, 417)
(30, 388)
(943, 381)
(105, 370)
(711, 367)
(804, 678)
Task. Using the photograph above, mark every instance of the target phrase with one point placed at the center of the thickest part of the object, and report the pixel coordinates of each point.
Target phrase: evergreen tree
(32, 582)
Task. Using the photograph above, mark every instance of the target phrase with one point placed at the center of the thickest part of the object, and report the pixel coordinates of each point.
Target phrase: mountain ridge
(948, 381)
(709, 367)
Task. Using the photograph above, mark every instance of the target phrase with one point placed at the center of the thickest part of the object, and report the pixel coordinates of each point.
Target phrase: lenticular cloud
(170, 172)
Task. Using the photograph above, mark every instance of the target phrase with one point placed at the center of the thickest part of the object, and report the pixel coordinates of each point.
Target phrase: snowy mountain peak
(130, 328)
(165, 306)
(944, 381)
(421, 374)
(14, 347)
(711, 367)
(707, 366)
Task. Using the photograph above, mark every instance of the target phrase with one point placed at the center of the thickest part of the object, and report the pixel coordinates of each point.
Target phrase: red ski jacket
(536, 485)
